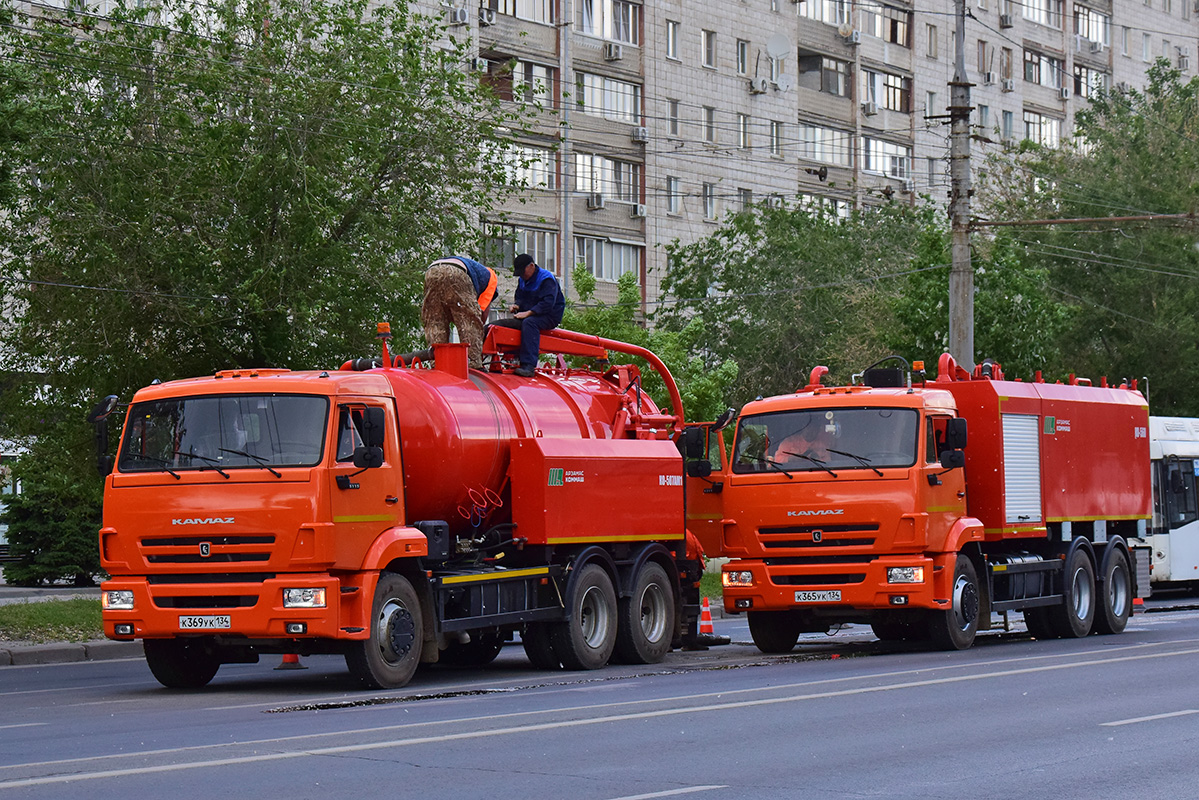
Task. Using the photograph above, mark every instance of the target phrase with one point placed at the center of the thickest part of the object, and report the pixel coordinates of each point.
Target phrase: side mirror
(955, 434)
(368, 457)
(102, 409)
(951, 459)
(699, 469)
(692, 441)
(1176, 483)
(374, 421)
(723, 420)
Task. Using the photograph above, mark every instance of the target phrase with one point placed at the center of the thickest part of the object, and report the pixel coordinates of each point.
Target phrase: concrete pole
(961, 275)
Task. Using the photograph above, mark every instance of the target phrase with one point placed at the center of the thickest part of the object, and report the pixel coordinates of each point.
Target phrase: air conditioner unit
(774, 201)
(1064, 93)
(909, 185)
(458, 16)
(640, 134)
(989, 78)
(613, 51)
(1123, 87)
(637, 211)
(486, 16)
(855, 37)
(869, 109)
(595, 201)
(1098, 47)
(479, 65)
(1005, 20)
(1009, 85)
(758, 85)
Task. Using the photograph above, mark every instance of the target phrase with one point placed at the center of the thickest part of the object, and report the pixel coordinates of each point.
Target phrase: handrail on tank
(676, 400)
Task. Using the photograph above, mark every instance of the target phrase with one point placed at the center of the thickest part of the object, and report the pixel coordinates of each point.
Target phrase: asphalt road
(841, 717)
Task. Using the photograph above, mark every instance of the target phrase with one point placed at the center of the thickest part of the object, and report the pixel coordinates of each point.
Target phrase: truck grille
(210, 601)
(804, 536)
(818, 580)
(221, 549)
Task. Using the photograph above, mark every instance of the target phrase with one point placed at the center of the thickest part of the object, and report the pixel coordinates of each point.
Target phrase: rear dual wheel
(645, 625)
(586, 640)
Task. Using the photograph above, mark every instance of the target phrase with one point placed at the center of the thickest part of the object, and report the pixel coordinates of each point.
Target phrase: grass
(76, 620)
(709, 586)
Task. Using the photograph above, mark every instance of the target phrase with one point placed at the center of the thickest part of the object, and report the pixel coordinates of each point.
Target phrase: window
(619, 180)
(1166, 49)
(885, 158)
(1092, 25)
(1041, 129)
(834, 77)
(933, 165)
(610, 19)
(930, 32)
(888, 91)
(1008, 132)
(1146, 47)
(827, 145)
(1045, 12)
(531, 167)
(1176, 482)
(931, 104)
(742, 57)
(745, 198)
(889, 24)
(832, 12)
(709, 124)
(505, 241)
(812, 440)
(534, 83)
(672, 39)
(1123, 41)
(777, 67)
(607, 260)
(709, 194)
(1042, 69)
(984, 117)
(743, 131)
(832, 206)
(1005, 64)
(709, 54)
(776, 138)
(673, 195)
(532, 10)
(608, 97)
(1088, 82)
(672, 117)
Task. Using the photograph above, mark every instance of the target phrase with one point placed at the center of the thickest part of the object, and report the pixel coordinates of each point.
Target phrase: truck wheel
(1074, 617)
(587, 639)
(539, 647)
(895, 631)
(482, 649)
(389, 657)
(181, 663)
(955, 627)
(773, 631)
(1038, 623)
(646, 623)
(1116, 603)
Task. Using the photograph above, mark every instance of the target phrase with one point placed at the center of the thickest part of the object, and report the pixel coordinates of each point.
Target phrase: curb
(16, 655)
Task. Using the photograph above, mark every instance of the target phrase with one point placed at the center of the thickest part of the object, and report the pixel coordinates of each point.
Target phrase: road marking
(23, 725)
(560, 724)
(1185, 713)
(670, 792)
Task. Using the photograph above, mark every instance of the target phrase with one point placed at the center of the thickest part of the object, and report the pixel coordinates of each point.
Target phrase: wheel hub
(398, 630)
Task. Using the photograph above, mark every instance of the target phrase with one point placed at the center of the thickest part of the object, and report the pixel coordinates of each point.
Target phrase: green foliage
(255, 186)
(1131, 288)
(75, 620)
(53, 522)
(780, 290)
(702, 389)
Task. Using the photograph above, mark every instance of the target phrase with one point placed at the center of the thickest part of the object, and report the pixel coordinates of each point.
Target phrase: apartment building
(664, 115)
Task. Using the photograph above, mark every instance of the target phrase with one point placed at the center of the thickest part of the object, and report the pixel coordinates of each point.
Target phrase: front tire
(181, 663)
(773, 631)
(956, 627)
(587, 639)
(1075, 615)
(646, 624)
(388, 659)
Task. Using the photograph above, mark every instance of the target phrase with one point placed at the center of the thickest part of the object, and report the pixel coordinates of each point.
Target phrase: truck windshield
(826, 439)
(224, 432)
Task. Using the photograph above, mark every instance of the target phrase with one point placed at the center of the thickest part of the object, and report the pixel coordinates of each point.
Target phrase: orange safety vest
(488, 293)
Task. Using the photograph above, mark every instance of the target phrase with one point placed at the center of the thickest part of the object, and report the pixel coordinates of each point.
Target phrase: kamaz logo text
(203, 521)
(820, 512)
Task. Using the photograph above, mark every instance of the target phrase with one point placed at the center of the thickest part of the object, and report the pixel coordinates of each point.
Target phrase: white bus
(1174, 537)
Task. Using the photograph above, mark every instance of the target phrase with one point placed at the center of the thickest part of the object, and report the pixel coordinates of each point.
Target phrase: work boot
(524, 372)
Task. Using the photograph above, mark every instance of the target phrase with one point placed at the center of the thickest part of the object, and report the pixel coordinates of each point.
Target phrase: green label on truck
(1050, 426)
(557, 477)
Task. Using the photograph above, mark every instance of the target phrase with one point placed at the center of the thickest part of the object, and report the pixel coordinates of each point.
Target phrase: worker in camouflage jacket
(458, 291)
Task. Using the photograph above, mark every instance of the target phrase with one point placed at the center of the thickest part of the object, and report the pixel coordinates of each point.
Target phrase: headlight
(737, 578)
(303, 598)
(118, 599)
(905, 574)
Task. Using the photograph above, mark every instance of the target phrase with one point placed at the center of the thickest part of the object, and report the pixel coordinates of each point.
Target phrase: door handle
(391, 500)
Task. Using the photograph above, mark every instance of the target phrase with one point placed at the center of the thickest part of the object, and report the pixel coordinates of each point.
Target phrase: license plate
(205, 622)
(830, 596)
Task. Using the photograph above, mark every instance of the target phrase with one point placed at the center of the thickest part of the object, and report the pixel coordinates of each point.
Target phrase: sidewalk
(21, 653)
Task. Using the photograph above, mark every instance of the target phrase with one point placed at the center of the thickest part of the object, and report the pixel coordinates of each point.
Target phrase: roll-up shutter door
(1022, 468)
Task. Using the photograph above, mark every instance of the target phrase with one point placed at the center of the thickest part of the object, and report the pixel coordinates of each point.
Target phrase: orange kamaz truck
(399, 513)
(926, 508)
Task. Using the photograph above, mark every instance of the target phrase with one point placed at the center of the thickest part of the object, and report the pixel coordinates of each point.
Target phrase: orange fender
(394, 544)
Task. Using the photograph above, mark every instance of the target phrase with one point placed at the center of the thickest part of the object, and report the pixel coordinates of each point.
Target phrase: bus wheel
(587, 639)
(1116, 602)
(1075, 615)
(389, 657)
(646, 624)
(955, 627)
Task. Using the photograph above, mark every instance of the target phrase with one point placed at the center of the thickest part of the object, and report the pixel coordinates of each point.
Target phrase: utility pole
(961, 274)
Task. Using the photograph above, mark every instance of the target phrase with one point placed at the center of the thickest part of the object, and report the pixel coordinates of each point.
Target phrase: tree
(1132, 288)
(702, 389)
(780, 290)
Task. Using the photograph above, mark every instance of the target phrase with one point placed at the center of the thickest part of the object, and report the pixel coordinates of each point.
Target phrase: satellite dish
(778, 45)
(845, 30)
(784, 82)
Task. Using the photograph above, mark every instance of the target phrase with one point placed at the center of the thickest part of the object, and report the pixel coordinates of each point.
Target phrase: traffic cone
(291, 661)
(705, 619)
